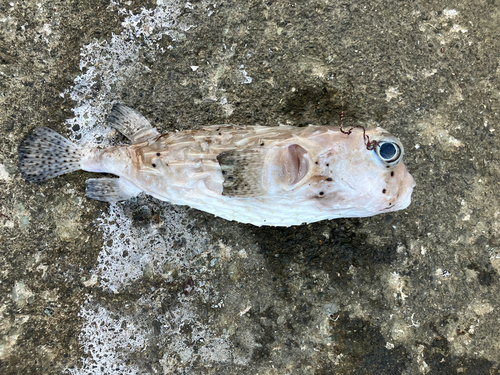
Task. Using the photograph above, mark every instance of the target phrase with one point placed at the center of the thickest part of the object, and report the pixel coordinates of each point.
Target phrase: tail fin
(44, 154)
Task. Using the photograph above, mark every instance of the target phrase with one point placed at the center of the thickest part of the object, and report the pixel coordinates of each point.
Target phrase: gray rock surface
(146, 287)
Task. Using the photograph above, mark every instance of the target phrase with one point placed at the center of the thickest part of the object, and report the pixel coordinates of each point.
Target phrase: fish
(261, 175)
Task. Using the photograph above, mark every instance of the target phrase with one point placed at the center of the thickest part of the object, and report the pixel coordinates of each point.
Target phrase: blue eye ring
(389, 152)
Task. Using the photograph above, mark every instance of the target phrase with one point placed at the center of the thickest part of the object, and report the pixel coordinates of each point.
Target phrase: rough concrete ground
(147, 287)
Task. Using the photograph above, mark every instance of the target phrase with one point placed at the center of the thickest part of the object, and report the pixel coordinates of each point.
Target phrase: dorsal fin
(131, 123)
(243, 172)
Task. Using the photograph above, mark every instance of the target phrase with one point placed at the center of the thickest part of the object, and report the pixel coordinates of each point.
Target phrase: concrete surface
(150, 288)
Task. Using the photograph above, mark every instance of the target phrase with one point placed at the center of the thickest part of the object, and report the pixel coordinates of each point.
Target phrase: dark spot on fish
(383, 191)
(262, 144)
(327, 164)
(316, 162)
(154, 165)
(230, 178)
(217, 129)
(388, 166)
(390, 203)
(224, 172)
(220, 133)
(329, 179)
(157, 154)
(321, 193)
(392, 174)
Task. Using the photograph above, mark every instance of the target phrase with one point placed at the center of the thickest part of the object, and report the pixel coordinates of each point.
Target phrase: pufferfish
(276, 176)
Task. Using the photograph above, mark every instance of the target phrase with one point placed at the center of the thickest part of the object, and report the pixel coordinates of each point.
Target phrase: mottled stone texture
(146, 287)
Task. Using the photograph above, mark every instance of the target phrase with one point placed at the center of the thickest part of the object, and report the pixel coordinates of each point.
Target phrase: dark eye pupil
(387, 151)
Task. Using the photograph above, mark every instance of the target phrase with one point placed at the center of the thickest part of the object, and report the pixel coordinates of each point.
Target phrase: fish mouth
(408, 185)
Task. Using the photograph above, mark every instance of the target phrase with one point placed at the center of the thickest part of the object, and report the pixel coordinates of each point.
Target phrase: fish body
(278, 176)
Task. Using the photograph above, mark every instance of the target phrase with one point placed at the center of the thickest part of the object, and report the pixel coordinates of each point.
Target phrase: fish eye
(389, 152)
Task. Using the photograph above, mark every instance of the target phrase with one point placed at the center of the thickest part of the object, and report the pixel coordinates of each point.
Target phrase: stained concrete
(146, 287)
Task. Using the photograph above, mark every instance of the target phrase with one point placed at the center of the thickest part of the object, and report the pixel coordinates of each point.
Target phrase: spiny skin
(277, 176)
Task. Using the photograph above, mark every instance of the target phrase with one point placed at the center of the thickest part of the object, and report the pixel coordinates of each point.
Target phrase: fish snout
(405, 188)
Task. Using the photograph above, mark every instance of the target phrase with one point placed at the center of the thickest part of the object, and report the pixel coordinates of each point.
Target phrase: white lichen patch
(444, 137)
(4, 175)
(22, 217)
(397, 285)
(93, 280)
(109, 340)
(316, 67)
(214, 349)
(67, 220)
(392, 93)
(110, 63)
(399, 329)
(224, 251)
(9, 343)
(495, 261)
(223, 67)
(46, 29)
(226, 106)
(432, 133)
(246, 78)
(450, 13)
(442, 273)
(481, 308)
(458, 29)
(428, 72)
(132, 252)
(21, 294)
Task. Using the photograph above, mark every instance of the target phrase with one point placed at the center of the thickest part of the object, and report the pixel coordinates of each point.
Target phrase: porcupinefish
(277, 176)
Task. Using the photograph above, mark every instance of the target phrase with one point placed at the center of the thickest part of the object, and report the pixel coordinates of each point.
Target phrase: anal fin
(131, 123)
(110, 189)
(243, 172)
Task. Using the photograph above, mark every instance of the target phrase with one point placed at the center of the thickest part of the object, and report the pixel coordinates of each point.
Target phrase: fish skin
(278, 176)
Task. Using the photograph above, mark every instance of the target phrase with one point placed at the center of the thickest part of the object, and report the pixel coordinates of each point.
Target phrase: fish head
(359, 174)
(388, 154)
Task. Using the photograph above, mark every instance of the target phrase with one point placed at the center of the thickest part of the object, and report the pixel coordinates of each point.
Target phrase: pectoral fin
(110, 189)
(243, 172)
(295, 163)
(131, 123)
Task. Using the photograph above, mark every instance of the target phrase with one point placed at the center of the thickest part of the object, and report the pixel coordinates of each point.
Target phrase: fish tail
(44, 154)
